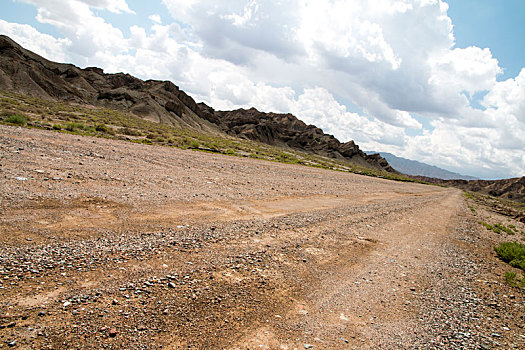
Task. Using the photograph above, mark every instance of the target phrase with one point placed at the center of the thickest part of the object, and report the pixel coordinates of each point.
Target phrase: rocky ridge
(25, 72)
(511, 189)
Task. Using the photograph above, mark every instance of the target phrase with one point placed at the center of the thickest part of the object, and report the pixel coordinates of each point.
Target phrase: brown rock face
(162, 101)
(286, 130)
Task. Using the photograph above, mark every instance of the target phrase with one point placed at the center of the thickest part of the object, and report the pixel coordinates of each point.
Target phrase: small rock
(308, 346)
(66, 304)
(12, 344)
(41, 313)
(172, 285)
(113, 332)
(115, 302)
(21, 178)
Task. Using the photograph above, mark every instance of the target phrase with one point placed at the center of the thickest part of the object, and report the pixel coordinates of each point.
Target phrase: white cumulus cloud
(373, 71)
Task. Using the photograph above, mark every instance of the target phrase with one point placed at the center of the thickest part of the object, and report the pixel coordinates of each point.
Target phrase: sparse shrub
(514, 280)
(73, 126)
(16, 119)
(502, 228)
(78, 127)
(287, 158)
(498, 228)
(511, 278)
(512, 253)
(57, 127)
(194, 144)
(130, 132)
(468, 195)
(101, 128)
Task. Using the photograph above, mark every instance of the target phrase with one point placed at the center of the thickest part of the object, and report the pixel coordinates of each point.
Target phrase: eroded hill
(25, 72)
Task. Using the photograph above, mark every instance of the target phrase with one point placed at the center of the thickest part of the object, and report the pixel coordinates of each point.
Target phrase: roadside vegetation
(76, 119)
(513, 253)
(500, 228)
(496, 203)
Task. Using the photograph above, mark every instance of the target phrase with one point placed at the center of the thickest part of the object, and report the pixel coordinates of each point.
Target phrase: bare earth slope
(106, 244)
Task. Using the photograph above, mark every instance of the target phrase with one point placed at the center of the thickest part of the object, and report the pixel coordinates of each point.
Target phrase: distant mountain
(27, 73)
(412, 167)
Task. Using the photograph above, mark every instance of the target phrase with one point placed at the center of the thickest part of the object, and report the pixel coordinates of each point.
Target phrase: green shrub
(194, 144)
(511, 278)
(512, 253)
(130, 132)
(468, 195)
(57, 127)
(101, 128)
(286, 158)
(74, 126)
(16, 119)
(498, 228)
(502, 227)
(213, 146)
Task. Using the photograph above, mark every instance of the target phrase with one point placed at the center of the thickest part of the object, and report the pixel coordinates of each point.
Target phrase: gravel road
(108, 245)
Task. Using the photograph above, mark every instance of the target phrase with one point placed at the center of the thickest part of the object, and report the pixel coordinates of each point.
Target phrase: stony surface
(106, 244)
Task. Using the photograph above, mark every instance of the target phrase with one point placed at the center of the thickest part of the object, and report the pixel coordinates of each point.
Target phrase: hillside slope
(512, 189)
(24, 72)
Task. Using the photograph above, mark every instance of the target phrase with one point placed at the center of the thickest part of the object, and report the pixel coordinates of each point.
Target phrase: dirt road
(107, 244)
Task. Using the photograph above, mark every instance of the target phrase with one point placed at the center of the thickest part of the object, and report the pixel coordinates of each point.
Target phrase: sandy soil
(107, 244)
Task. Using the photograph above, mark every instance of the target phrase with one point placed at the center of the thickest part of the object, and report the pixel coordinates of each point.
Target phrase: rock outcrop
(285, 130)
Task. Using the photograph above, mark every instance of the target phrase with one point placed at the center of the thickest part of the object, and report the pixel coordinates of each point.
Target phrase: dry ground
(107, 244)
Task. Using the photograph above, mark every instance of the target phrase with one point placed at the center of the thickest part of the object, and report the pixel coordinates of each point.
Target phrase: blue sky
(493, 24)
(435, 81)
